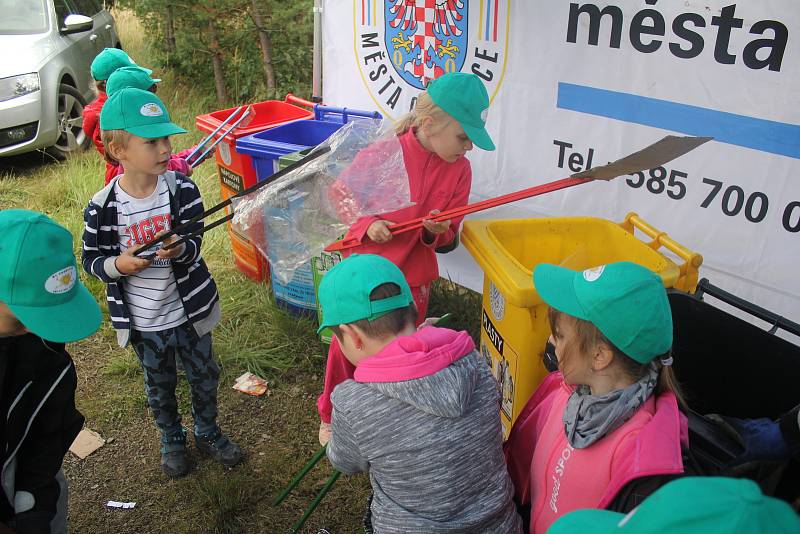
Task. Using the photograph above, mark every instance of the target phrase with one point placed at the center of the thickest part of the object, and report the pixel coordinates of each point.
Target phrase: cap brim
(598, 521)
(556, 286)
(152, 131)
(323, 327)
(64, 323)
(479, 137)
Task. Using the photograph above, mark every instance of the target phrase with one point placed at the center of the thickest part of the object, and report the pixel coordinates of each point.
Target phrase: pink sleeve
(337, 370)
(183, 153)
(460, 198)
(177, 163)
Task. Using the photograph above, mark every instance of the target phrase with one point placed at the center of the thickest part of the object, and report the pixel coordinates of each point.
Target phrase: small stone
(110, 440)
(262, 454)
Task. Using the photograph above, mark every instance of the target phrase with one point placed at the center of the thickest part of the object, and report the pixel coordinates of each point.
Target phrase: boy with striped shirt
(165, 306)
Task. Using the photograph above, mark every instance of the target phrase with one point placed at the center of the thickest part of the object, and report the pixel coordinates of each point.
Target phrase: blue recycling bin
(266, 150)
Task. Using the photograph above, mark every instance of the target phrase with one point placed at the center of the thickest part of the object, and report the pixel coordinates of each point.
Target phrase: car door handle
(93, 37)
(108, 26)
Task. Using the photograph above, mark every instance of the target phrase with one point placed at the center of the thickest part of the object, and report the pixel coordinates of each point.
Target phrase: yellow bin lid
(509, 250)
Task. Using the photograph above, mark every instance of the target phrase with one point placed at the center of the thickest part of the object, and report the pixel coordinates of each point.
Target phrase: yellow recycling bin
(514, 318)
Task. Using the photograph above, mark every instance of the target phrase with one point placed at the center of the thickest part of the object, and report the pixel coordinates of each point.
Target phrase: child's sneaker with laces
(174, 460)
(219, 447)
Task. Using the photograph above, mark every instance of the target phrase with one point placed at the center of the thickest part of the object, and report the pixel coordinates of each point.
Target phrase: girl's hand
(436, 228)
(379, 231)
(127, 263)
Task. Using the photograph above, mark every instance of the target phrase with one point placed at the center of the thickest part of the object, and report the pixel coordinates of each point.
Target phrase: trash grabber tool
(660, 152)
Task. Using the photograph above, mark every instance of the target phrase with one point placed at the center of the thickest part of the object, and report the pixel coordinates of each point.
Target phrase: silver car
(45, 79)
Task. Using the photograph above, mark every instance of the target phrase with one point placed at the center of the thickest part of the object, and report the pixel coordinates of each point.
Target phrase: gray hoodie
(432, 445)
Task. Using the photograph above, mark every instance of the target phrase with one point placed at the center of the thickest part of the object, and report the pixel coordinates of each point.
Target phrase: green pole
(313, 506)
(303, 472)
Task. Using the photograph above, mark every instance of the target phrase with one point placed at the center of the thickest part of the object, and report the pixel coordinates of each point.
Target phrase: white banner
(575, 84)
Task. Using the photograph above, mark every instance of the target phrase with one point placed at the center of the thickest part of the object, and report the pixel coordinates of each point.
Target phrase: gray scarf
(588, 417)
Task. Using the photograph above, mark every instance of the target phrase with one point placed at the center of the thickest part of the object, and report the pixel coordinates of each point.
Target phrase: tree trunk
(216, 61)
(169, 30)
(266, 48)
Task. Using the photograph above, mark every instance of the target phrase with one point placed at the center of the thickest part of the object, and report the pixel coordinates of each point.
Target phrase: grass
(277, 432)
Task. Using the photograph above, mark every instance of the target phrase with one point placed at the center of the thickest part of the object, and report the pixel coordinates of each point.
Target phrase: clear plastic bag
(294, 218)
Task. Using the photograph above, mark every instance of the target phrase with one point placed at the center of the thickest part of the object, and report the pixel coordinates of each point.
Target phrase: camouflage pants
(157, 352)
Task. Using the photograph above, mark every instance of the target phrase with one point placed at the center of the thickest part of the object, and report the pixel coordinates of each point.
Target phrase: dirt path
(278, 434)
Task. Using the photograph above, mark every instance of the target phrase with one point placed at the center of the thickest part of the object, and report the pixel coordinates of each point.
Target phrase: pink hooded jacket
(555, 478)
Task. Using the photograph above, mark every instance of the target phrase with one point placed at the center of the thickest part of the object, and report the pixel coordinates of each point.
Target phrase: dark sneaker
(219, 447)
(174, 460)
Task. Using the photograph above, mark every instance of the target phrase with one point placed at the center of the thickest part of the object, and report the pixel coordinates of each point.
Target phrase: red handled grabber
(663, 151)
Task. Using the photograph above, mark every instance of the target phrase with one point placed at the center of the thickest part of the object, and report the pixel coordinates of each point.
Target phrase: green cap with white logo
(344, 291)
(691, 505)
(109, 60)
(39, 278)
(138, 112)
(625, 301)
(463, 96)
(136, 77)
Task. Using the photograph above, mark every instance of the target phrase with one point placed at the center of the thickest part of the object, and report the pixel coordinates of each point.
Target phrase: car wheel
(70, 123)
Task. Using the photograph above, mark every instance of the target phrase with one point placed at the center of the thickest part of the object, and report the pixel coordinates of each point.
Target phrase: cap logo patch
(61, 281)
(590, 275)
(484, 115)
(151, 110)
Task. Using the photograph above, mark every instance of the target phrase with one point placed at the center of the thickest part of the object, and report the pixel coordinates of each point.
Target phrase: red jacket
(434, 184)
(91, 120)
(556, 478)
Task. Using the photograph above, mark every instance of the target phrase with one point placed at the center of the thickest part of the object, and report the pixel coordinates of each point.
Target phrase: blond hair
(589, 336)
(424, 108)
(120, 138)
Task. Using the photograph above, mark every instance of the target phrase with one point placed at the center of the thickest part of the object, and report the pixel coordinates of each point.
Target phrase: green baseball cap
(138, 112)
(625, 301)
(463, 96)
(345, 289)
(691, 505)
(109, 60)
(39, 278)
(136, 77)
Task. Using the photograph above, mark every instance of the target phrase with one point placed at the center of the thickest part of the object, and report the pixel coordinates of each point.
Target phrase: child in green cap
(420, 413)
(103, 66)
(448, 120)
(43, 305)
(166, 306)
(138, 78)
(605, 430)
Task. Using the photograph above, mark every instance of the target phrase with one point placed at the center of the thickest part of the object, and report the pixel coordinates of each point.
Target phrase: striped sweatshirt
(101, 246)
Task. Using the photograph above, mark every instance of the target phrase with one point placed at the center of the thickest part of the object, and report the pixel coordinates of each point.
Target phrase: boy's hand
(168, 254)
(127, 263)
(379, 231)
(325, 431)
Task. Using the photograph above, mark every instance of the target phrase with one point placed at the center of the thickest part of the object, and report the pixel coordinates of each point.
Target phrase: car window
(62, 10)
(89, 8)
(20, 17)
